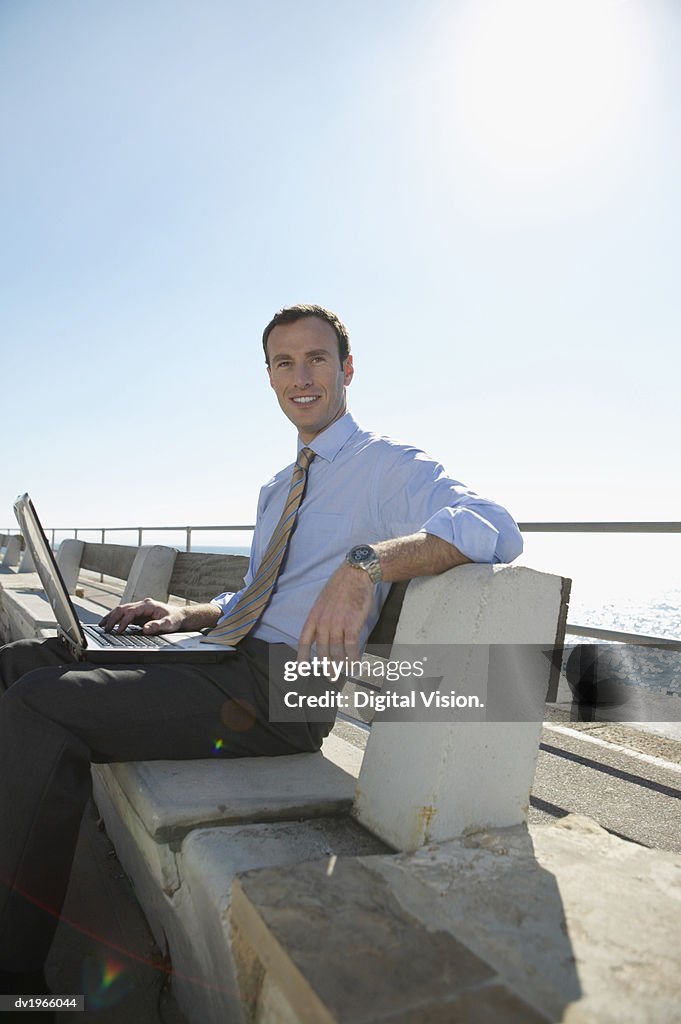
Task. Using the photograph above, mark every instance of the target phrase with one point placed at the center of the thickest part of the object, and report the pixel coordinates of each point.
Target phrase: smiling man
(355, 512)
(310, 367)
(371, 504)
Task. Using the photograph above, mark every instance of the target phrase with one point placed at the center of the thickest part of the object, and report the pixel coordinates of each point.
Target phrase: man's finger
(338, 653)
(125, 621)
(111, 618)
(306, 639)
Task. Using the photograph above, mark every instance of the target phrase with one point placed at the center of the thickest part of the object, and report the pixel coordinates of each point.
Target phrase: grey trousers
(58, 715)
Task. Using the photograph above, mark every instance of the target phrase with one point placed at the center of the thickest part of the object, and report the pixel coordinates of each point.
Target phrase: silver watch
(363, 556)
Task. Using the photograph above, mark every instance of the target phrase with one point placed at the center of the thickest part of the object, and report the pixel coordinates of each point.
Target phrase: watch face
(361, 553)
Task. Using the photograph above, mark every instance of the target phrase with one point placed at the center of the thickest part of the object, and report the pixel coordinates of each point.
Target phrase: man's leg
(24, 655)
(57, 718)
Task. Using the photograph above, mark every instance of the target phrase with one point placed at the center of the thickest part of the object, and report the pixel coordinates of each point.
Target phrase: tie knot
(305, 457)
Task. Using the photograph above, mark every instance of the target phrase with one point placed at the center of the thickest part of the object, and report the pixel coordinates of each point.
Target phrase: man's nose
(303, 376)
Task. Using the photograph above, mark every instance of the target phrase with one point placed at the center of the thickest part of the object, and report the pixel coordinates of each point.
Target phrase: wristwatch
(363, 556)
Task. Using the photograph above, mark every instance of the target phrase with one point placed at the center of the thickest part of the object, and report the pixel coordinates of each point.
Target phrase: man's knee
(31, 691)
(23, 656)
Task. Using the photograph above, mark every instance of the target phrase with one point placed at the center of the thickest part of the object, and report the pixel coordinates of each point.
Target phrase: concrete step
(500, 926)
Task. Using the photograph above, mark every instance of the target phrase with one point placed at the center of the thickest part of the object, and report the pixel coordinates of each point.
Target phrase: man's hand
(154, 616)
(338, 615)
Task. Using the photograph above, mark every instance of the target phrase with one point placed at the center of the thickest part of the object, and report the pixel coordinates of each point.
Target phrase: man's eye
(319, 359)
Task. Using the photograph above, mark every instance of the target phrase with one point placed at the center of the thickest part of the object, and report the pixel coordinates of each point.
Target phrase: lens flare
(105, 982)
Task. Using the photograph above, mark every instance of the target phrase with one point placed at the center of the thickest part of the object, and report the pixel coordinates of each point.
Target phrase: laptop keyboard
(125, 640)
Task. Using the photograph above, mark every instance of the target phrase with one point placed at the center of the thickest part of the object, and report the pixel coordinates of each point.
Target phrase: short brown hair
(290, 314)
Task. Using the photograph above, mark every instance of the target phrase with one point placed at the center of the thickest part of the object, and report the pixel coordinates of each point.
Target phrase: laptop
(90, 642)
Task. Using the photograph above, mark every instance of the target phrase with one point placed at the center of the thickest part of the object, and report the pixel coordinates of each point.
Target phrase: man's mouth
(305, 399)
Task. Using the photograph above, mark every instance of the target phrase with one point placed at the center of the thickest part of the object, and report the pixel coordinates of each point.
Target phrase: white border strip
(588, 737)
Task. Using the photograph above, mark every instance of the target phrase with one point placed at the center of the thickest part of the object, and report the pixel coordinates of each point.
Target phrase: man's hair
(290, 314)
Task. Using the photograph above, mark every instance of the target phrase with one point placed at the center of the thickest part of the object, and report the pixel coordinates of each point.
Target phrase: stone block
(463, 774)
(69, 558)
(150, 573)
(583, 925)
(26, 564)
(12, 551)
(200, 934)
(173, 797)
(336, 942)
(25, 613)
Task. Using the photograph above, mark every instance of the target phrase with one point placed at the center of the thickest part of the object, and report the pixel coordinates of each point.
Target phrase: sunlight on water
(624, 581)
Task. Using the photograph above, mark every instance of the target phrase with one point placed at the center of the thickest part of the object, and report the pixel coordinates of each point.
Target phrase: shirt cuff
(223, 601)
(474, 536)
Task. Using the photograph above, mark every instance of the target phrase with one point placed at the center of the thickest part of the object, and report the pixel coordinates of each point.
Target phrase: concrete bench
(126, 574)
(185, 830)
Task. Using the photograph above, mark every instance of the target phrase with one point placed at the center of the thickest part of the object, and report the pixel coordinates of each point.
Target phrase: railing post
(188, 545)
(139, 537)
(101, 575)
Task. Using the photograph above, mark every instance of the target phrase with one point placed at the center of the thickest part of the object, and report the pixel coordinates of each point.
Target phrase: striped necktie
(256, 596)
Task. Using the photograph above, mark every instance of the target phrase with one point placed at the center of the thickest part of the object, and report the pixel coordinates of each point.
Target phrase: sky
(486, 191)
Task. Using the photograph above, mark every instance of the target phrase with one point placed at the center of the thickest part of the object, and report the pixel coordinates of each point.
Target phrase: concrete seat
(199, 927)
(173, 797)
(183, 830)
(154, 809)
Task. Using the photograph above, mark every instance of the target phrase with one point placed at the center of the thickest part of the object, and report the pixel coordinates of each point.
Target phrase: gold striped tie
(256, 596)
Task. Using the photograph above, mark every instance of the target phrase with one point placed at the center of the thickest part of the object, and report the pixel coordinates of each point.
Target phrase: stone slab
(200, 934)
(29, 612)
(150, 573)
(583, 925)
(12, 552)
(18, 581)
(24, 613)
(173, 797)
(462, 774)
(140, 854)
(337, 941)
(68, 559)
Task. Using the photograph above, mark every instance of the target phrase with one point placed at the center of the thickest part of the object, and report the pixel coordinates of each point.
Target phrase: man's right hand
(153, 616)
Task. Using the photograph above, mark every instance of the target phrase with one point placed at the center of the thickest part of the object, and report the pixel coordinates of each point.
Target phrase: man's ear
(269, 374)
(349, 371)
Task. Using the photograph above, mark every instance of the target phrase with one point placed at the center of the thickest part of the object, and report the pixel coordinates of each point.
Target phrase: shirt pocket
(329, 531)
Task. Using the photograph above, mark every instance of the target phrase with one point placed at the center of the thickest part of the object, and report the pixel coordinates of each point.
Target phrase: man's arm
(339, 613)
(158, 617)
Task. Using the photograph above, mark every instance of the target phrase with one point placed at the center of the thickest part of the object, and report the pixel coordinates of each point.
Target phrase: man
(356, 513)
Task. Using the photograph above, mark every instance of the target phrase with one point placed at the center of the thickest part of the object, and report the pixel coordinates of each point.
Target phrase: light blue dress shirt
(364, 488)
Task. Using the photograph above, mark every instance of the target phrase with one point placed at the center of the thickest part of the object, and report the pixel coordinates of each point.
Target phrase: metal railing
(141, 530)
(600, 527)
(597, 632)
(573, 629)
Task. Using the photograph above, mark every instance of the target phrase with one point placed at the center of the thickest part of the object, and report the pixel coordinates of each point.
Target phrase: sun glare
(543, 86)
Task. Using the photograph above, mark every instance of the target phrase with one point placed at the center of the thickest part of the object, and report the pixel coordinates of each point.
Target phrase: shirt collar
(327, 444)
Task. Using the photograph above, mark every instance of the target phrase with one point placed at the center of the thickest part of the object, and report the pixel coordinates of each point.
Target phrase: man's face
(306, 374)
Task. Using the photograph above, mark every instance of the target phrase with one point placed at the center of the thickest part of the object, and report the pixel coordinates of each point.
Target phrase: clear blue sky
(487, 191)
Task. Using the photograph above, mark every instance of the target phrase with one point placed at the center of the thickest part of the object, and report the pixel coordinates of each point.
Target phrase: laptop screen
(48, 570)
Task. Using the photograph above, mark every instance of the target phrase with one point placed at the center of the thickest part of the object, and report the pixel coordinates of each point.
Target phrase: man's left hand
(337, 616)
